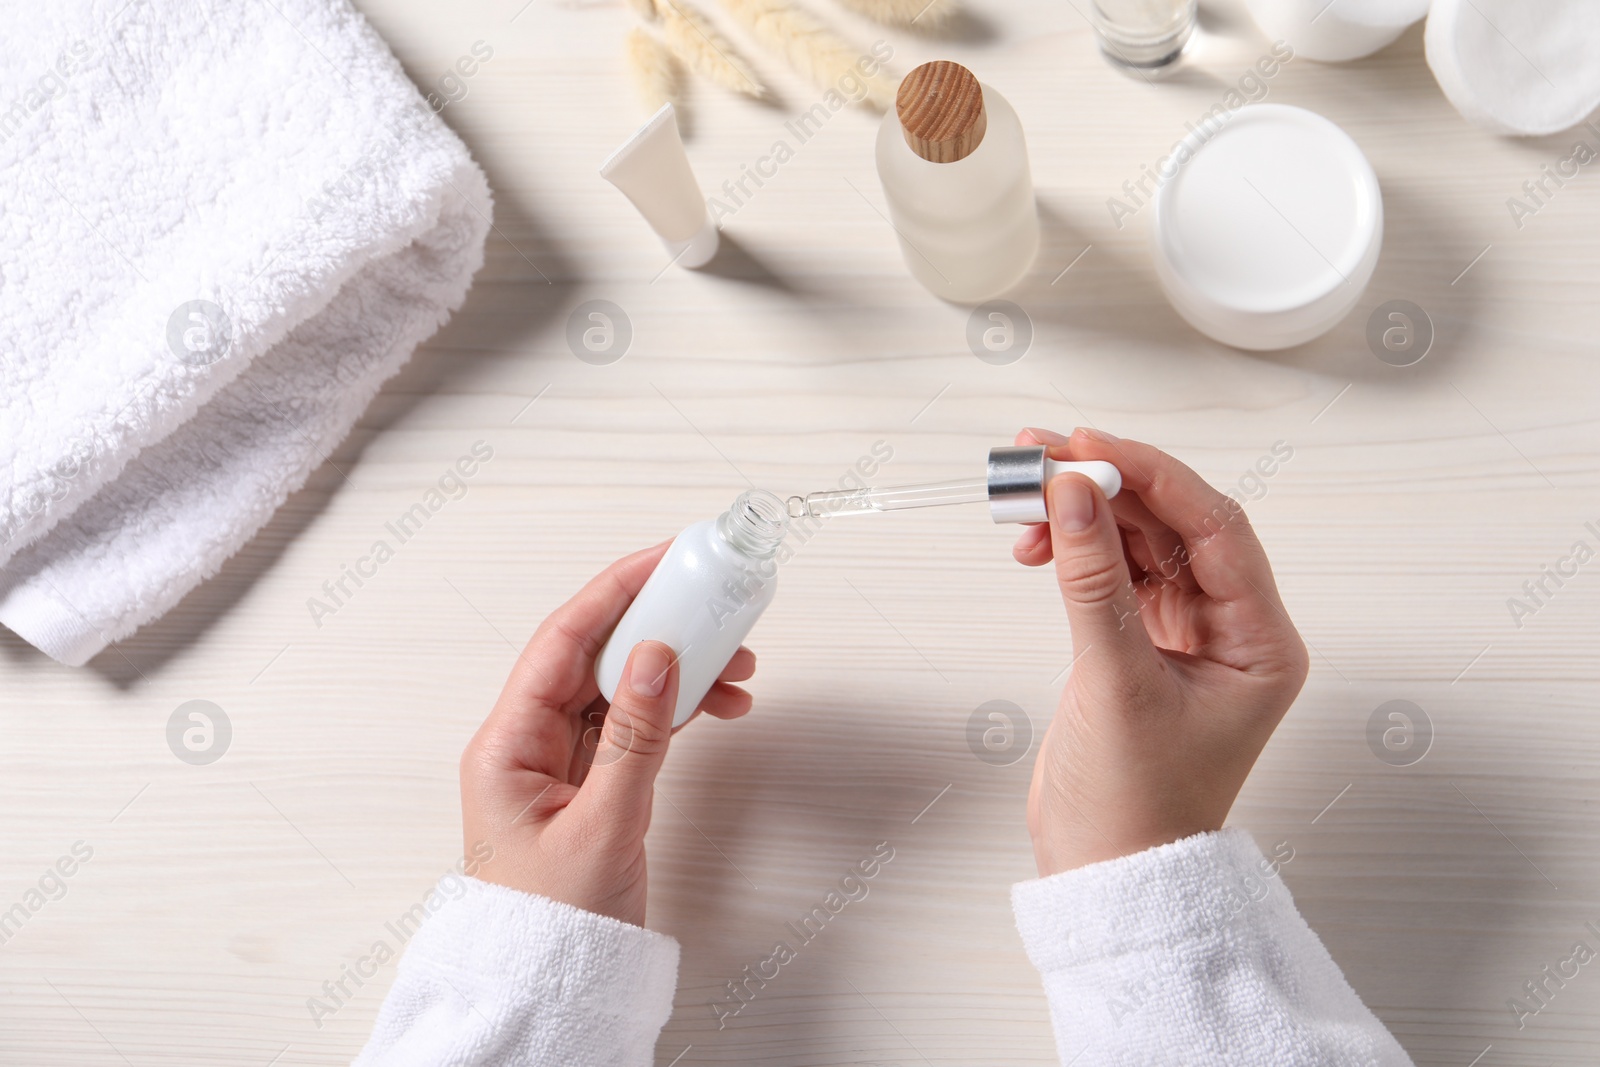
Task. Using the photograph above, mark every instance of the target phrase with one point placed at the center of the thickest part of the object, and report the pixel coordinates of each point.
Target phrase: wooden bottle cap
(940, 106)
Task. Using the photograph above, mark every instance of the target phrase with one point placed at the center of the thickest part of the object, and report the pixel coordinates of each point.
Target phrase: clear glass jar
(1143, 34)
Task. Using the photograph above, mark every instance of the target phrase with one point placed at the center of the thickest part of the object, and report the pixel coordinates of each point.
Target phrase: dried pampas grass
(657, 74)
(810, 47)
(924, 14)
(698, 44)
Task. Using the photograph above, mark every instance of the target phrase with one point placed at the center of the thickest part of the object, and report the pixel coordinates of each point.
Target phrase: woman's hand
(1184, 659)
(559, 785)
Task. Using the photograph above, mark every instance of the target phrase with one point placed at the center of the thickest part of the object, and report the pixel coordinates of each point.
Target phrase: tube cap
(697, 250)
(1018, 474)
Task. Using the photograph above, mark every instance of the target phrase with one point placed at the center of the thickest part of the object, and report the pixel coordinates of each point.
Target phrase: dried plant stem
(697, 43)
(657, 74)
(923, 13)
(810, 47)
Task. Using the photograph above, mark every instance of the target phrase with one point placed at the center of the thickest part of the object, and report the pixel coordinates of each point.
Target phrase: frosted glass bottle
(954, 168)
(709, 589)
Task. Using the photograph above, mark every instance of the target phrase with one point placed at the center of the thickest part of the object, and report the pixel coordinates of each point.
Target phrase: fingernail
(648, 673)
(1073, 504)
(1044, 437)
(1098, 435)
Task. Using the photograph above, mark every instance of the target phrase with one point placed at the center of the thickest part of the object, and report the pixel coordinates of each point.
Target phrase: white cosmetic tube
(652, 170)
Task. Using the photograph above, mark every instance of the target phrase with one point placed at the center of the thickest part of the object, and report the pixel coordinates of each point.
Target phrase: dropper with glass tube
(1012, 485)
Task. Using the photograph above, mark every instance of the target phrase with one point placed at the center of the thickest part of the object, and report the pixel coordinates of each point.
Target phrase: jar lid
(1268, 228)
(1335, 31)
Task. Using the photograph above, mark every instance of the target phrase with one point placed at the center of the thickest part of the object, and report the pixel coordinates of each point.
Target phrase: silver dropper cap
(1017, 476)
(1016, 483)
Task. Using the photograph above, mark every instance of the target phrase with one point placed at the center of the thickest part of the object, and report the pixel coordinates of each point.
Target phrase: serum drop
(954, 168)
(703, 597)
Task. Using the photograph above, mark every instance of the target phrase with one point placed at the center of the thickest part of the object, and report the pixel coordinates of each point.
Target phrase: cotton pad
(1514, 66)
(1333, 31)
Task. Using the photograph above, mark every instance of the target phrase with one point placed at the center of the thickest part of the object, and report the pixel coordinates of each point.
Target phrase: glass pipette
(1012, 486)
(893, 498)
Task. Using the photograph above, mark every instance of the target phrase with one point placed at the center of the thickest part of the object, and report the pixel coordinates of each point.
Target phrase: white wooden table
(220, 898)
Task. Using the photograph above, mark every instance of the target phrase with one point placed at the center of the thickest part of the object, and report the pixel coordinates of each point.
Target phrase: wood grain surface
(1417, 501)
(940, 108)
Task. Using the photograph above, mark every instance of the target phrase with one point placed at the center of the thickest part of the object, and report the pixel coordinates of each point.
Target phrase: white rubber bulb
(1103, 474)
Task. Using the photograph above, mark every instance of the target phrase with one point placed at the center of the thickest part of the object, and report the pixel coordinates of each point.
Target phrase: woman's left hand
(558, 783)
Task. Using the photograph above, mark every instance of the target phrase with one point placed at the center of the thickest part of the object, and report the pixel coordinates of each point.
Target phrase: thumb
(633, 741)
(1092, 572)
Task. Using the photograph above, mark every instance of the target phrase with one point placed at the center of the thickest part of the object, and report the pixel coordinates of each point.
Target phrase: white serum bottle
(954, 168)
(703, 598)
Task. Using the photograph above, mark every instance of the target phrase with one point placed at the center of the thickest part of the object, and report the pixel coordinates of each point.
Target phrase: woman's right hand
(1184, 660)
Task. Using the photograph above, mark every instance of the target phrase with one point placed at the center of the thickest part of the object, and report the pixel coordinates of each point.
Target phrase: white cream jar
(1267, 227)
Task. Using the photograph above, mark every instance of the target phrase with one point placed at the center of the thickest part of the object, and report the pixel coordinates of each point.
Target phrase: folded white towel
(225, 226)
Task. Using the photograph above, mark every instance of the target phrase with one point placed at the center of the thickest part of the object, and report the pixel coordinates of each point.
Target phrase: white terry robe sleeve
(1192, 953)
(502, 977)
